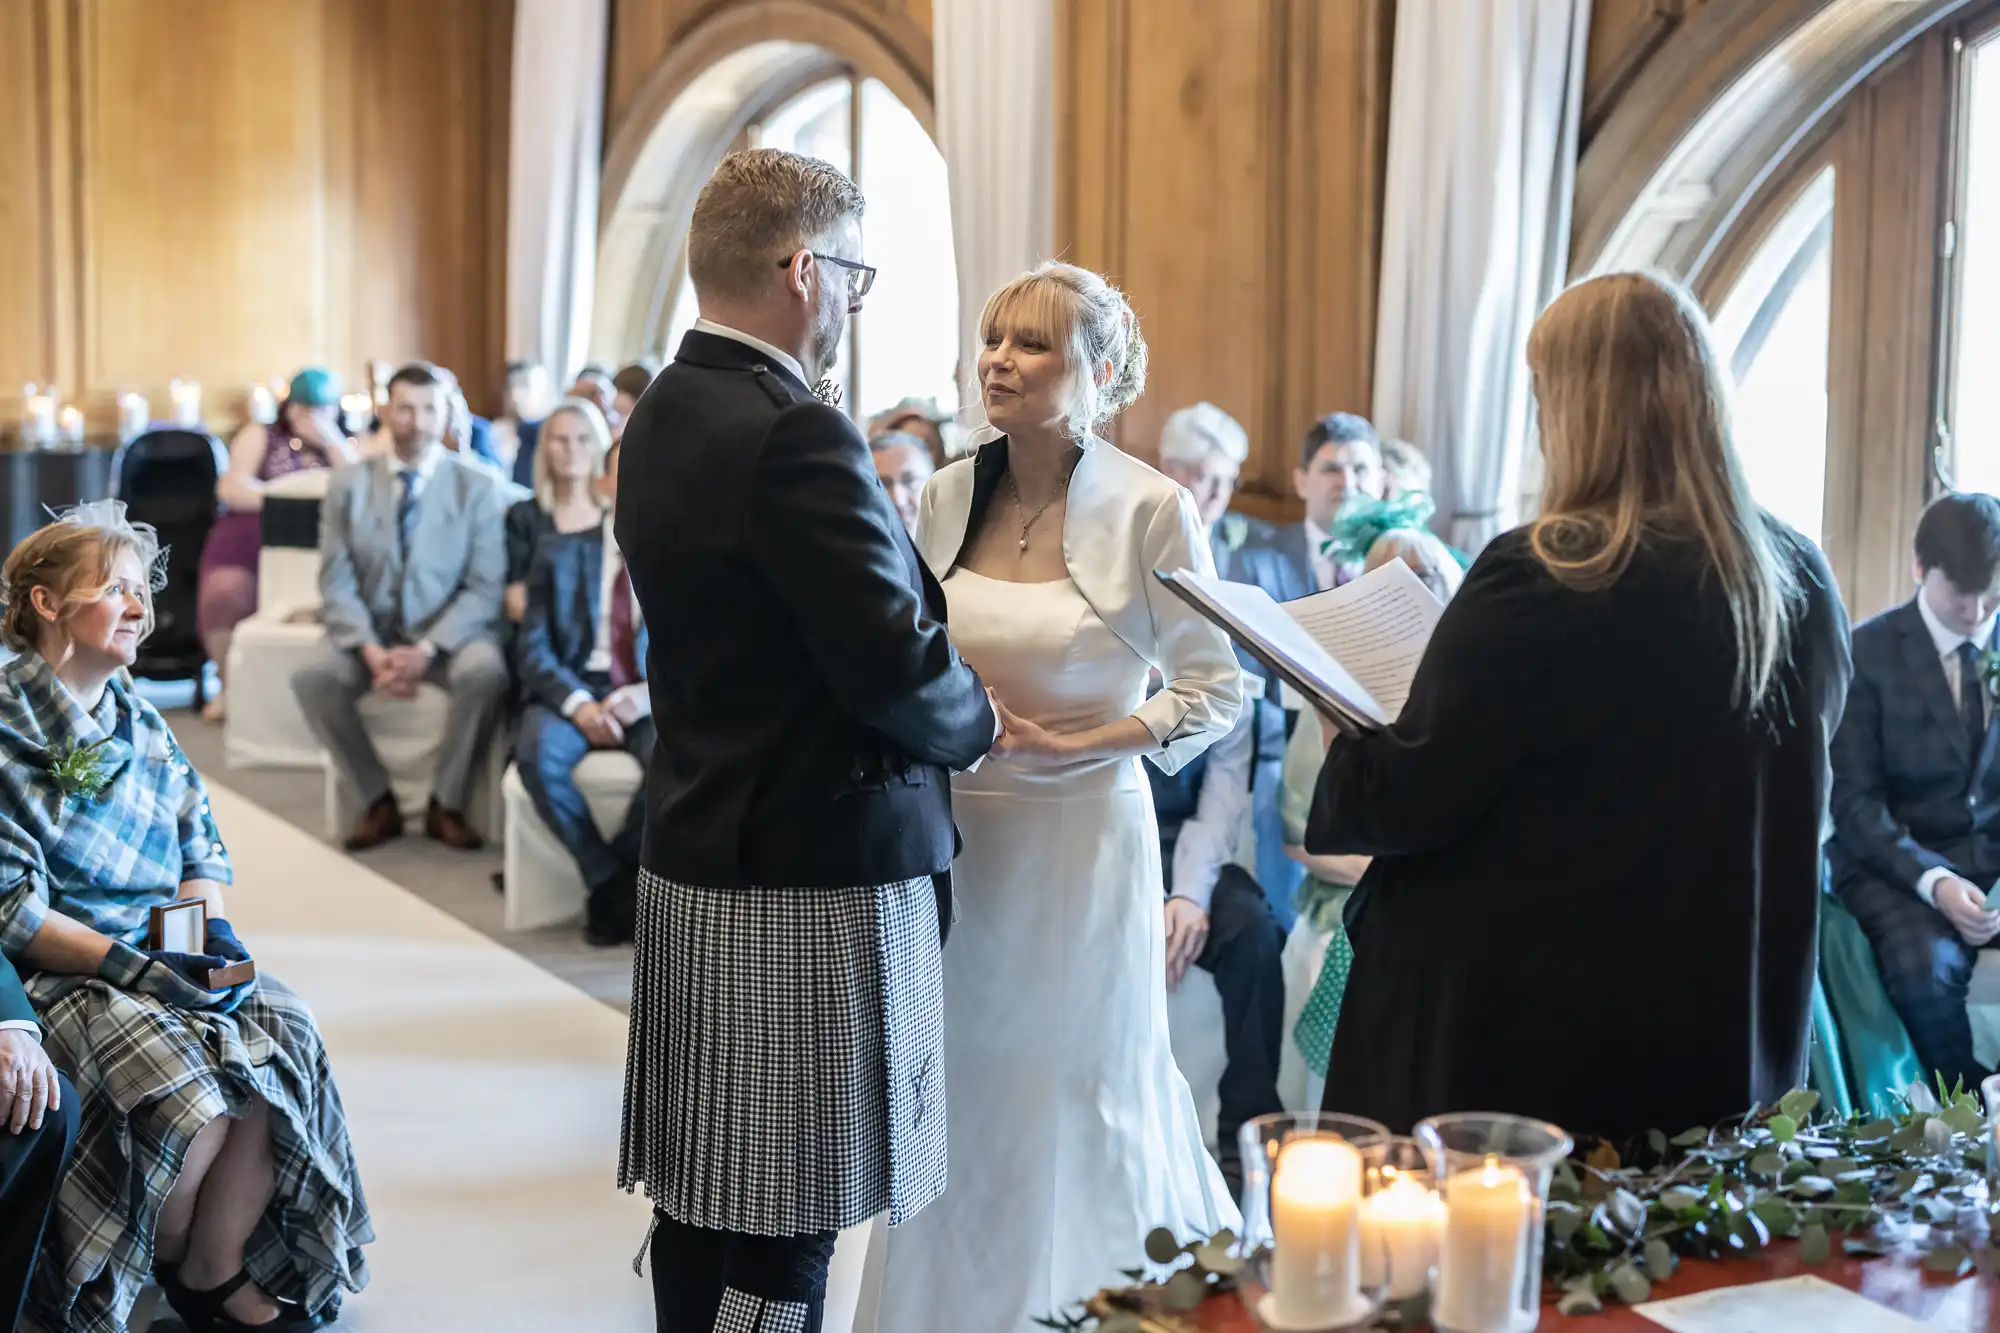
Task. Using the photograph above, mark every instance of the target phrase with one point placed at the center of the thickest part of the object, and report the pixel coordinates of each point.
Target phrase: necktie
(1971, 697)
(406, 509)
(624, 642)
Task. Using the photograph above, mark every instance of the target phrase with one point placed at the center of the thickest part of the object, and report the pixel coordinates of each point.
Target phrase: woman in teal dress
(214, 1154)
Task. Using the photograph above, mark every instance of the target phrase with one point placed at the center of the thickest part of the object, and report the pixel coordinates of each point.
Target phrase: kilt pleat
(785, 1067)
(150, 1077)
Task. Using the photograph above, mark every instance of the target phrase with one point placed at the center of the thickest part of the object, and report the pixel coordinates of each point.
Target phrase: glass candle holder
(134, 415)
(1305, 1178)
(1493, 1174)
(186, 398)
(1402, 1222)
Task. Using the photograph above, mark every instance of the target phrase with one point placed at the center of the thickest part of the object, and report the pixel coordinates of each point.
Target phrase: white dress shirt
(22, 1025)
(1209, 838)
(1948, 642)
(1325, 570)
(785, 359)
(600, 652)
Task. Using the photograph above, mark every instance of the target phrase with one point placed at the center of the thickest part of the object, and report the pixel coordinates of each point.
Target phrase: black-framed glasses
(860, 277)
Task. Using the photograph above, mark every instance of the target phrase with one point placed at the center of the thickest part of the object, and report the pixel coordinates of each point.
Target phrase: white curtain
(1483, 126)
(554, 159)
(996, 118)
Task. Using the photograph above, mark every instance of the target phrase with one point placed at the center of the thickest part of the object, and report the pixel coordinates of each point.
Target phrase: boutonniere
(80, 770)
(1989, 671)
(827, 392)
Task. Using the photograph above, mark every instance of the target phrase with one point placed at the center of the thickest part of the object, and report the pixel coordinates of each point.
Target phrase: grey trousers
(329, 689)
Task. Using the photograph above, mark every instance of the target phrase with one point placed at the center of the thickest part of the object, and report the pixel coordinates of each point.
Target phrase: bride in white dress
(1072, 1133)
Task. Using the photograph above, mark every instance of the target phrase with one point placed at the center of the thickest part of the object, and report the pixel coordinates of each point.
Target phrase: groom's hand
(1187, 936)
(1022, 740)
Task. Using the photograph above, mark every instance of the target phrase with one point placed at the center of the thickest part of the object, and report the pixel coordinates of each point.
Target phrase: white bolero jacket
(1123, 521)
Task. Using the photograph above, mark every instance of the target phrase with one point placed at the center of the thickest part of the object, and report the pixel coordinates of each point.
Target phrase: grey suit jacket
(449, 591)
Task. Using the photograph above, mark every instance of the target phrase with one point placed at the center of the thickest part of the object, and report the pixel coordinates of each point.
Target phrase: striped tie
(406, 509)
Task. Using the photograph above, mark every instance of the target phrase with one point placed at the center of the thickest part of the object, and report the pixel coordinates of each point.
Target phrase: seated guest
(1203, 448)
(1404, 469)
(38, 1128)
(412, 560)
(307, 434)
(569, 465)
(466, 433)
(626, 387)
(583, 668)
(1916, 794)
(903, 462)
(1434, 563)
(213, 1141)
(1341, 460)
(921, 417)
(600, 387)
(524, 397)
(1219, 921)
(1612, 767)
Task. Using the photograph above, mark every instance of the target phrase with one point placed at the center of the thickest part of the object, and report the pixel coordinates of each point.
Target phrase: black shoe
(499, 881)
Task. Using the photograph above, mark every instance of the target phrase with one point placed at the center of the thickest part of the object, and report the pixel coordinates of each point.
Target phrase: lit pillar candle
(72, 425)
(1481, 1263)
(1316, 1236)
(38, 418)
(186, 396)
(1399, 1236)
(263, 407)
(134, 415)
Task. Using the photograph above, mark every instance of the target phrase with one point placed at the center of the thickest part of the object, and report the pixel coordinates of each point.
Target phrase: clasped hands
(603, 721)
(1025, 742)
(1964, 905)
(396, 671)
(180, 979)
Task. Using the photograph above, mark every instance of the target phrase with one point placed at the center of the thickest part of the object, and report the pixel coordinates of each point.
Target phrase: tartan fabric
(149, 1078)
(786, 1067)
(752, 1314)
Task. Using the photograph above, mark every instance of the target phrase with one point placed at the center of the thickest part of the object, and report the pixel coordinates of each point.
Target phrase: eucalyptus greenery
(79, 770)
(1989, 670)
(1913, 1178)
(1916, 1177)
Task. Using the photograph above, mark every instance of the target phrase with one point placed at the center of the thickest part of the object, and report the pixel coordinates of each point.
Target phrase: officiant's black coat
(1596, 886)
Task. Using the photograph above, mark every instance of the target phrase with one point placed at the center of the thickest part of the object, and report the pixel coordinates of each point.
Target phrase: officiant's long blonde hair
(1635, 428)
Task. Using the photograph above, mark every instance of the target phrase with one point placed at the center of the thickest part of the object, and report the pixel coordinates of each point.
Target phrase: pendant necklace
(1062, 485)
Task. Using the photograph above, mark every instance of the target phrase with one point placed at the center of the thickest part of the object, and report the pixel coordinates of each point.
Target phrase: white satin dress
(1072, 1133)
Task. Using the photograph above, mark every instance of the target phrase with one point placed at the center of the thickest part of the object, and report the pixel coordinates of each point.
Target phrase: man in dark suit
(1341, 459)
(809, 709)
(583, 671)
(1916, 791)
(38, 1126)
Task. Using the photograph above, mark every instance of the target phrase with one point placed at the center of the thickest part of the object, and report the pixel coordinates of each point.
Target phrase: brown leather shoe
(378, 824)
(449, 827)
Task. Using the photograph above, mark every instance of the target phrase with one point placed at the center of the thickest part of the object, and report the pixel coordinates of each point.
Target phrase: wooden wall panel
(1222, 160)
(228, 189)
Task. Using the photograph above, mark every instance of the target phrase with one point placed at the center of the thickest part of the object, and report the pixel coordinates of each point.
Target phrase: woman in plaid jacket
(214, 1143)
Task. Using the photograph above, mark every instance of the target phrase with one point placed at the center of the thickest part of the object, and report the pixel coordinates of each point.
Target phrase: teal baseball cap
(315, 386)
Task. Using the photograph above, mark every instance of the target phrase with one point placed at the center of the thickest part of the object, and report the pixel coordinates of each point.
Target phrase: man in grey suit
(412, 561)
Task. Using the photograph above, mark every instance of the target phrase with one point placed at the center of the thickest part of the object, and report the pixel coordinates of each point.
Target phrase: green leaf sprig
(79, 770)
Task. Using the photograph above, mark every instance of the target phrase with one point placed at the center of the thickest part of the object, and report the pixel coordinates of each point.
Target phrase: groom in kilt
(785, 1078)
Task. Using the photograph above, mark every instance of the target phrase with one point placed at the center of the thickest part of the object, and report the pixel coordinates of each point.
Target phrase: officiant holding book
(1596, 821)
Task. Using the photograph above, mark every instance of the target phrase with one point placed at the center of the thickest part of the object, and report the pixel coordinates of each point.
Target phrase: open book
(1351, 651)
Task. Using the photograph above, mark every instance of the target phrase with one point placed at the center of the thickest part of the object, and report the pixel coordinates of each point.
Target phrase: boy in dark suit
(38, 1124)
(1916, 792)
(583, 669)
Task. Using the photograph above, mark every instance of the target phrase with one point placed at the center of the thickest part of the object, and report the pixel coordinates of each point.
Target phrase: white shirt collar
(426, 464)
(1947, 640)
(783, 358)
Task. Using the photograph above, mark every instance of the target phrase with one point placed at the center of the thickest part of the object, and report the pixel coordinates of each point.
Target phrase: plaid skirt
(786, 1068)
(149, 1078)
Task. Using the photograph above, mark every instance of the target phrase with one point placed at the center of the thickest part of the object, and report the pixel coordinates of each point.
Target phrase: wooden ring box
(182, 927)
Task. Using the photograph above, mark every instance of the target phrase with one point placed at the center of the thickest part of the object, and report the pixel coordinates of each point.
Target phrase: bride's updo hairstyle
(1078, 311)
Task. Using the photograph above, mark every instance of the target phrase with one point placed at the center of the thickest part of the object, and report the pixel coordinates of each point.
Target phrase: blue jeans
(546, 751)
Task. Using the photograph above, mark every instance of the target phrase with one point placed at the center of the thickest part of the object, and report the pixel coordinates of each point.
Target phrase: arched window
(904, 343)
(1774, 332)
(1972, 449)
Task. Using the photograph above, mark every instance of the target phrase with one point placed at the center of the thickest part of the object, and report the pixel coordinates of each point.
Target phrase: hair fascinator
(109, 516)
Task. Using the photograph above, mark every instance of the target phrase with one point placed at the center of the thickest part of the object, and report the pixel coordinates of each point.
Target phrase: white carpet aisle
(483, 1095)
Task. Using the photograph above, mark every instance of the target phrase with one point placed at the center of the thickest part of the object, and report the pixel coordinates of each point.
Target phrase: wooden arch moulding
(711, 85)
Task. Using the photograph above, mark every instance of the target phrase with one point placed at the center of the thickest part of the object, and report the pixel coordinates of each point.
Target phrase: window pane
(818, 123)
(686, 311)
(1774, 333)
(1975, 413)
(908, 327)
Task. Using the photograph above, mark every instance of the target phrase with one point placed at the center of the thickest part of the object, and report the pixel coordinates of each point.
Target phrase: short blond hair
(1193, 434)
(594, 426)
(759, 207)
(1078, 311)
(74, 562)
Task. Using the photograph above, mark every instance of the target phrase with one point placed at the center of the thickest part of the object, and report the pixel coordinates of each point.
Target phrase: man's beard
(827, 330)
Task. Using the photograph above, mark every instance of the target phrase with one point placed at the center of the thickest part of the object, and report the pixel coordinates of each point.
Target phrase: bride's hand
(1022, 740)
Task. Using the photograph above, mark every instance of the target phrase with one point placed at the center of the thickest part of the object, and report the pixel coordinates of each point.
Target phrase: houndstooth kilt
(786, 1068)
(149, 1078)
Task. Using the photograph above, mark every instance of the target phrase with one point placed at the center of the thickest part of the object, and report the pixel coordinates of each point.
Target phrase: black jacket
(1596, 884)
(808, 703)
